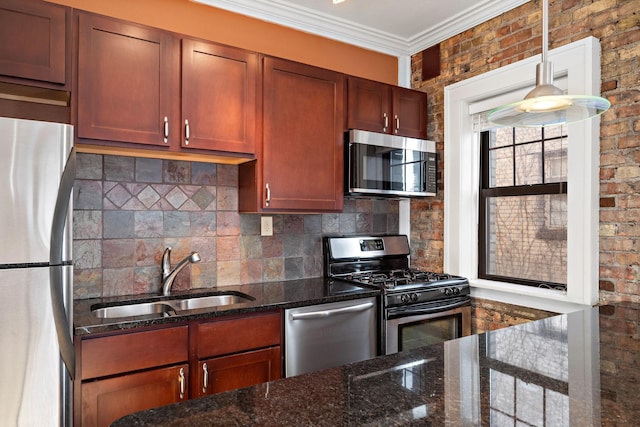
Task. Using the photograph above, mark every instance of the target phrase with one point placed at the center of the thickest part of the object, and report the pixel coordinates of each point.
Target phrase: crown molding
(304, 19)
(469, 18)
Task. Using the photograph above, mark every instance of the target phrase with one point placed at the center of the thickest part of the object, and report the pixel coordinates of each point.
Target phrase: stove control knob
(404, 298)
(456, 291)
(448, 292)
(414, 297)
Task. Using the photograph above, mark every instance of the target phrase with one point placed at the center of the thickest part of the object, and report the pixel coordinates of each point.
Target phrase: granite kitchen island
(578, 369)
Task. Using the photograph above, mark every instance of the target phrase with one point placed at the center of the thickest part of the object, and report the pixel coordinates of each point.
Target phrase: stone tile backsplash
(127, 210)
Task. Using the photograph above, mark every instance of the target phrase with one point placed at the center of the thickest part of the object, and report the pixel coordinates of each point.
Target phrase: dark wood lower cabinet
(104, 401)
(130, 371)
(238, 370)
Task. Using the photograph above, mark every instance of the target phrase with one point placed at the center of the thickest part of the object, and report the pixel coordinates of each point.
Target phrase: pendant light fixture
(546, 104)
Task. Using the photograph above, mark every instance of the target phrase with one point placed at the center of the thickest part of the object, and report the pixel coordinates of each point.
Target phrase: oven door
(415, 326)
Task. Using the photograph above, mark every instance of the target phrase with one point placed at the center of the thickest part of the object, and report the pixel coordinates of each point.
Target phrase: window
(577, 66)
(523, 206)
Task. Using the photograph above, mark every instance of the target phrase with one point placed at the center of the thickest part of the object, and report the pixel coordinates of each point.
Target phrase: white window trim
(580, 63)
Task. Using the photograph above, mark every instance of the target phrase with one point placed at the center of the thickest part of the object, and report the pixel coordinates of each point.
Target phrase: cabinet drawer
(129, 352)
(236, 335)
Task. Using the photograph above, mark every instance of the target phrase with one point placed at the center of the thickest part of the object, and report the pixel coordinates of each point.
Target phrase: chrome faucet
(168, 275)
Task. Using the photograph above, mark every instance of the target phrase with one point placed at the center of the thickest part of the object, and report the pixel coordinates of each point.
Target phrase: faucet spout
(168, 275)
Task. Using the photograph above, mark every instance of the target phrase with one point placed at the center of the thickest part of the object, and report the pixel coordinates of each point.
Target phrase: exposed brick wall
(489, 315)
(516, 35)
(619, 354)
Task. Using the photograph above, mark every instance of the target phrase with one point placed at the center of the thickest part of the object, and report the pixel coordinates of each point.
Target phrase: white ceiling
(395, 27)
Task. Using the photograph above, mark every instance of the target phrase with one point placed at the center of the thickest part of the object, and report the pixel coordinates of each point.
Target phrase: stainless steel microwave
(389, 165)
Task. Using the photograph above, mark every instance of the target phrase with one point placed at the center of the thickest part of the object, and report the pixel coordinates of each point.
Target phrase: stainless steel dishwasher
(327, 335)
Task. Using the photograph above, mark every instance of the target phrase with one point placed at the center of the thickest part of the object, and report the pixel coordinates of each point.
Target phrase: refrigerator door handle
(57, 281)
(61, 209)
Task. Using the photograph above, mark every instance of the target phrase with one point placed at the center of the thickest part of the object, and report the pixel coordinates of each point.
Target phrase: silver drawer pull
(187, 132)
(397, 123)
(205, 378)
(386, 121)
(327, 313)
(182, 381)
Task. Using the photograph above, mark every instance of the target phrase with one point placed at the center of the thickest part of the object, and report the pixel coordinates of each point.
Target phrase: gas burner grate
(397, 277)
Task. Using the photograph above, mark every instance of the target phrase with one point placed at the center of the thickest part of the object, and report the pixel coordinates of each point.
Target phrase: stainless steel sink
(211, 301)
(135, 309)
(170, 307)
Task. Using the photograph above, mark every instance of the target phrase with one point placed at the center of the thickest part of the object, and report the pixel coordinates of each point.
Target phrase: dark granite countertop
(268, 296)
(578, 369)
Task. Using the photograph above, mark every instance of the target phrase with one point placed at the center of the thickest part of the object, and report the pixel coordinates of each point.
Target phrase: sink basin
(128, 310)
(170, 307)
(211, 301)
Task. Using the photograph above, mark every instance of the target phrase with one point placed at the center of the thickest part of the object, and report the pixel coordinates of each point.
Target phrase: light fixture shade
(560, 109)
(546, 104)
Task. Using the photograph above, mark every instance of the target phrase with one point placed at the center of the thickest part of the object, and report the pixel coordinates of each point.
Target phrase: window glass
(526, 237)
(523, 206)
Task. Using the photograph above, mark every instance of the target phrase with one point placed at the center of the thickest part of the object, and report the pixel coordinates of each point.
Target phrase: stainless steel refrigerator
(37, 170)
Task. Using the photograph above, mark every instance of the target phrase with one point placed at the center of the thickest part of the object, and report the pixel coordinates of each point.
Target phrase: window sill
(526, 296)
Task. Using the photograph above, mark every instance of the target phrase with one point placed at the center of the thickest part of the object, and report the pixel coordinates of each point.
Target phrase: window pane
(528, 134)
(555, 160)
(529, 164)
(526, 237)
(500, 137)
(554, 131)
(501, 167)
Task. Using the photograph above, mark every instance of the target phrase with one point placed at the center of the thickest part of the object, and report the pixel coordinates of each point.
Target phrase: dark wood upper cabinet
(379, 107)
(126, 76)
(300, 162)
(34, 47)
(142, 85)
(409, 112)
(218, 97)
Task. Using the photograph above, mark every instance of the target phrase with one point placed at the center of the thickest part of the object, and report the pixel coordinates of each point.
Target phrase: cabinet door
(238, 370)
(104, 401)
(303, 122)
(218, 97)
(125, 77)
(409, 112)
(368, 105)
(33, 35)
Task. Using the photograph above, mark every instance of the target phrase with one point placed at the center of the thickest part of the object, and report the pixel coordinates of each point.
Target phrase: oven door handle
(327, 313)
(414, 310)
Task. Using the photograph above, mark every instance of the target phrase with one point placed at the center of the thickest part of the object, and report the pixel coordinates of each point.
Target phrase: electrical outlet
(266, 226)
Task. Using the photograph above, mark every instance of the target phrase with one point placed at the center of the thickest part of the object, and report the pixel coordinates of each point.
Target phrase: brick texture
(516, 35)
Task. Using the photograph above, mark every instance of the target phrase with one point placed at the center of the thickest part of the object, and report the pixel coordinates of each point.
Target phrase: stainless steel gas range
(417, 308)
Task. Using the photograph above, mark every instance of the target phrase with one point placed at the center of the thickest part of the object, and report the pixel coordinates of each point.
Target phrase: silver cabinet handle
(182, 381)
(166, 129)
(397, 123)
(327, 313)
(187, 132)
(386, 121)
(268, 199)
(205, 381)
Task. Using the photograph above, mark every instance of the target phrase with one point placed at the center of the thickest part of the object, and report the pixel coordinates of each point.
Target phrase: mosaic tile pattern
(127, 210)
